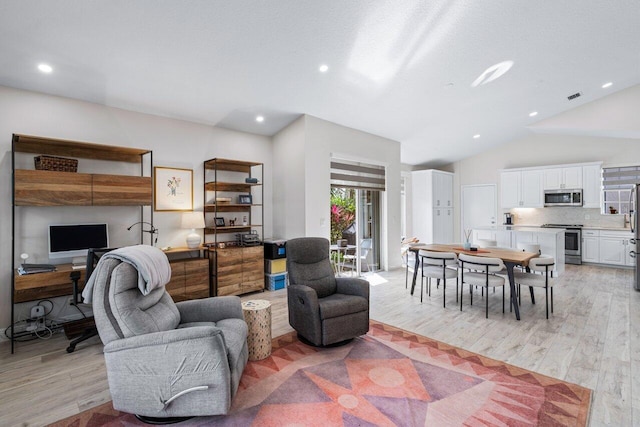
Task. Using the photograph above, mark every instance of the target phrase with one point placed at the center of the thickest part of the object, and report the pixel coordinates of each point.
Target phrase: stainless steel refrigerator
(634, 222)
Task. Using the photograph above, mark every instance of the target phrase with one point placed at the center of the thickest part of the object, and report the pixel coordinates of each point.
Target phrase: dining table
(510, 257)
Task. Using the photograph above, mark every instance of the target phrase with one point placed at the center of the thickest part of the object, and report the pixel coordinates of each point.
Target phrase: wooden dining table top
(506, 255)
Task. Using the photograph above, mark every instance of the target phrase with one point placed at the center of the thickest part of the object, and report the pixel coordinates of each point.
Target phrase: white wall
(289, 181)
(323, 139)
(174, 143)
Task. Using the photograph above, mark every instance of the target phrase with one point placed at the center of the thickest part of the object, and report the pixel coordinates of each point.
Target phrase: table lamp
(193, 220)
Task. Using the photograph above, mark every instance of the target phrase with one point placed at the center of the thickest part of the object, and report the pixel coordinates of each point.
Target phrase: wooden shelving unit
(52, 188)
(236, 270)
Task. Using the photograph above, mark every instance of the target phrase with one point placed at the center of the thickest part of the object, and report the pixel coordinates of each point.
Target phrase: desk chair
(93, 256)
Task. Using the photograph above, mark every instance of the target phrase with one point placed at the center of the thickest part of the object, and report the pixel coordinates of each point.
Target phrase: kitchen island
(551, 240)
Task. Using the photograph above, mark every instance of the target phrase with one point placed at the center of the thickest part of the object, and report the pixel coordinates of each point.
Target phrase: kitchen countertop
(529, 228)
(537, 228)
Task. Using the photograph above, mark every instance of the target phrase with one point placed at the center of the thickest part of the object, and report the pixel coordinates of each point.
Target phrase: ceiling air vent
(574, 96)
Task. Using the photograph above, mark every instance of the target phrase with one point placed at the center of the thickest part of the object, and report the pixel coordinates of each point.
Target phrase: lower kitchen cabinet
(611, 247)
(590, 245)
(239, 270)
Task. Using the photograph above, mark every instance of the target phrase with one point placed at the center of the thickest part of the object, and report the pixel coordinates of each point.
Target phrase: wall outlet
(37, 311)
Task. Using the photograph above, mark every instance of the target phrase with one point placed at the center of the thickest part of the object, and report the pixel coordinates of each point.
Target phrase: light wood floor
(590, 340)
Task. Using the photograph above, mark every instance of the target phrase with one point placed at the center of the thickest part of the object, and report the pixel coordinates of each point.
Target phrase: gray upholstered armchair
(167, 360)
(323, 309)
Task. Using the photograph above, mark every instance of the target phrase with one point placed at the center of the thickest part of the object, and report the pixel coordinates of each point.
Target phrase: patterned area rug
(389, 377)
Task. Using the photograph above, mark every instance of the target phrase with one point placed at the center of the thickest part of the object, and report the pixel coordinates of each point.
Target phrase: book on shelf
(35, 268)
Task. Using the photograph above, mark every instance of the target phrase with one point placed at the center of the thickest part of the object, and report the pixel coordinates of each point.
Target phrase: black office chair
(93, 256)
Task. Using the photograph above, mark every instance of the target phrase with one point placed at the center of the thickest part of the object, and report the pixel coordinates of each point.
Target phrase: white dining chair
(439, 266)
(350, 260)
(481, 272)
(543, 265)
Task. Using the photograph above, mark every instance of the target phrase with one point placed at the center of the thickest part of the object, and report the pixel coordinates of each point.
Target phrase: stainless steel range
(572, 242)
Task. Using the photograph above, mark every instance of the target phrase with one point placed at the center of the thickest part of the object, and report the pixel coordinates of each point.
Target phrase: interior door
(478, 207)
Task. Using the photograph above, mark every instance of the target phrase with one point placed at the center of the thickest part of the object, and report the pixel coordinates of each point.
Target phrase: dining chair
(439, 266)
(409, 260)
(543, 265)
(481, 272)
(349, 260)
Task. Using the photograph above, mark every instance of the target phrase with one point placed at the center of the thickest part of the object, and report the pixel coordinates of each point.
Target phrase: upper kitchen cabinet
(524, 188)
(521, 188)
(564, 177)
(591, 185)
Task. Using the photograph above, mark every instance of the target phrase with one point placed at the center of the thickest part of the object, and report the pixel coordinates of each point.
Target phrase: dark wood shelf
(230, 165)
(244, 187)
(230, 207)
(84, 150)
(228, 229)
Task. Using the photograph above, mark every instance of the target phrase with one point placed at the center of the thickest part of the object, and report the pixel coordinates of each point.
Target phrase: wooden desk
(31, 287)
(511, 258)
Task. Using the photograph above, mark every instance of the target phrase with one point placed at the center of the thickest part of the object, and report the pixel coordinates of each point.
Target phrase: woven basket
(60, 164)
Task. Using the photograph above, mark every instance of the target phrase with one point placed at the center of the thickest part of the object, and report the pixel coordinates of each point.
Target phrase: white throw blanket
(152, 265)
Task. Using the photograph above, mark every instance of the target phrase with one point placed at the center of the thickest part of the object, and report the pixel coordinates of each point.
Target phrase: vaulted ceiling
(401, 69)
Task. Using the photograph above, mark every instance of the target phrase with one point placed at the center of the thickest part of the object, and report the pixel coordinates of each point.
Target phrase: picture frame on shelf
(219, 222)
(173, 189)
(245, 199)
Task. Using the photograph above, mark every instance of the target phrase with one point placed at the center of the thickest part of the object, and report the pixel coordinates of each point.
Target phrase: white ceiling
(398, 69)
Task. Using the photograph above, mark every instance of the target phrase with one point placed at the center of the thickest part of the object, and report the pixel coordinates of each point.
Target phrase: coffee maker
(508, 218)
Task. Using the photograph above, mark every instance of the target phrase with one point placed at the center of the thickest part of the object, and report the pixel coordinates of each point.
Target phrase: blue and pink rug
(388, 377)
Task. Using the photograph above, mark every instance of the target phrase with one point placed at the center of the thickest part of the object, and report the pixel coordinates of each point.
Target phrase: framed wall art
(173, 189)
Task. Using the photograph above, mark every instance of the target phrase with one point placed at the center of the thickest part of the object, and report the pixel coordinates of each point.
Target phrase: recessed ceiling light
(323, 68)
(533, 114)
(606, 85)
(492, 73)
(259, 119)
(45, 68)
(476, 136)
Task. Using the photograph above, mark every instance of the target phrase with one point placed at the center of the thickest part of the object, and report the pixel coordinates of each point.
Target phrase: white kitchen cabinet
(612, 250)
(628, 258)
(443, 189)
(561, 178)
(504, 239)
(609, 247)
(591, 185)
(615, 247)
(432, 201)
(590, 245)
(442, 231)
(521, 189)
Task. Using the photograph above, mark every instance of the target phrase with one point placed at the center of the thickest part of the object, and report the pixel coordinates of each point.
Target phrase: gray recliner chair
(167, 360)
(323, 309)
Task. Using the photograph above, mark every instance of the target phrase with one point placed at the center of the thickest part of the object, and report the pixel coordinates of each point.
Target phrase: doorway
(479, 207)
(355, 217)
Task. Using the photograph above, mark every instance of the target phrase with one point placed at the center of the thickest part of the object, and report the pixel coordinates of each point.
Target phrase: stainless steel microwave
(563, 197)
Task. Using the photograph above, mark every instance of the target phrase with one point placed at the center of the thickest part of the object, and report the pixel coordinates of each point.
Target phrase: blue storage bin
(276, 281)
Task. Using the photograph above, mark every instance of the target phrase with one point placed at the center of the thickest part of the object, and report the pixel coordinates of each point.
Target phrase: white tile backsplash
(566, 215)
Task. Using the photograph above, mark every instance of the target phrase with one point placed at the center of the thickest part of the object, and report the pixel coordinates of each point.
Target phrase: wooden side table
(257, 314)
